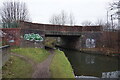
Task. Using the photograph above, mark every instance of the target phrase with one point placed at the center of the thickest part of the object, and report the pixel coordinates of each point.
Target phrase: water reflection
(90, 59)
(91, 64)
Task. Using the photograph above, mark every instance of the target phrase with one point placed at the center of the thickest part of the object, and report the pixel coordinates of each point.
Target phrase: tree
(55, 19)
(100, 22)
(71, 19)
(63, 16)
(113, 5)
(87, 23)
(12, 12)
(59, 19)
(116, 15)
(62, 19)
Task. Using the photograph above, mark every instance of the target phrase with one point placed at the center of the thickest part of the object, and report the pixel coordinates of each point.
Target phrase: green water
(91, 64)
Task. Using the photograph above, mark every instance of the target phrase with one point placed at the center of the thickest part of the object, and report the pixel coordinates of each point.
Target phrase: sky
(40, 11)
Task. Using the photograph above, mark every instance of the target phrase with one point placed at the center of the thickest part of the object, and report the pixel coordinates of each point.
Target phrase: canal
(87, 64)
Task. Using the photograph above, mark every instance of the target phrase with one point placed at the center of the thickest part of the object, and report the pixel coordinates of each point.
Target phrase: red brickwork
(92, 28)
(104, 39)
(49, 27)
(111, 40)
(11, 36)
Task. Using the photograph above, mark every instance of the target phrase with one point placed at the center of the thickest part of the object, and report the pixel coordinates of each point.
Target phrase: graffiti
(90, 43)
(33, 37)
(11, 41)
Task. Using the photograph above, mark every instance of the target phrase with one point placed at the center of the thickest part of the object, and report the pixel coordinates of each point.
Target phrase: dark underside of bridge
(68, 40)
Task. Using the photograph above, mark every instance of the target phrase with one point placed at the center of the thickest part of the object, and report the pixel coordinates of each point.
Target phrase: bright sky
(83, 10)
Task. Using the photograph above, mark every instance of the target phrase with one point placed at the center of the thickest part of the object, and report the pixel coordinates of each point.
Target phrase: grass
(60, 66)
(17, 68)
(36, 54)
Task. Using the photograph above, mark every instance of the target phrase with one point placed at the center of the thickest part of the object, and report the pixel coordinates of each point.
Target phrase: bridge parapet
(63, 28)
(29, 25)
(50, 27)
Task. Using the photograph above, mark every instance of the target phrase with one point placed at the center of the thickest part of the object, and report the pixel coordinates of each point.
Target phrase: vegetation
(60, 66)
(62, 18)
(36, 54)
(50, 42)
(12, 12)
(17, 68)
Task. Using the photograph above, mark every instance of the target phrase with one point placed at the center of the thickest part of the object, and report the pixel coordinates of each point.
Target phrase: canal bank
(86, 64)
(93, 51)
(26, 60)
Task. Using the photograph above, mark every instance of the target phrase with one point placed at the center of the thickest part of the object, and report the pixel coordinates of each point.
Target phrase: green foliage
(17, 68)
(36, 54)
(60, 66)
(50, 42)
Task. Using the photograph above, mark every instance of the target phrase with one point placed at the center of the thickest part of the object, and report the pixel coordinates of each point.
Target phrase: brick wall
(50, 27)
(96, 36)
(15, 37)
(11, 36)
(111, 39)
(92, 28)
(29, 43)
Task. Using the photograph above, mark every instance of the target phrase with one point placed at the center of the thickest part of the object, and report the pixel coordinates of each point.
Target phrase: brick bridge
(77, 37)
(59, 30)
(70, 36)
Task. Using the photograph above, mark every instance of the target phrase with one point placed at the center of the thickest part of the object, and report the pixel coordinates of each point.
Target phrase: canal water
(87, 64)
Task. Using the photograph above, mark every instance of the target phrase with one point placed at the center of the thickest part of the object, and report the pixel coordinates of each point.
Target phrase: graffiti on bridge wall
(33, 37)
(90, 43)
